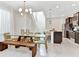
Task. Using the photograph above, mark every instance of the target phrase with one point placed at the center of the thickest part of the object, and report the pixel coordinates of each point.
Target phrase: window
(4, 21)
(39, 18)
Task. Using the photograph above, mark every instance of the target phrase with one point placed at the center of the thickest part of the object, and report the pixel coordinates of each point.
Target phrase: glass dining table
(29, 35)
(32, 37)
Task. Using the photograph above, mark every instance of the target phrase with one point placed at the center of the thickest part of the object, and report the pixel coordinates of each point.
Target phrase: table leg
(3, 46)
(34, 51)
(18, 40)
(31, 39)
(30, 48)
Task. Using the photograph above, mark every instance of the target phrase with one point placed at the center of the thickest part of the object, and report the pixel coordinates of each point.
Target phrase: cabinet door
(77, 38)
(72, 35)
(57, 37)
(76, 18)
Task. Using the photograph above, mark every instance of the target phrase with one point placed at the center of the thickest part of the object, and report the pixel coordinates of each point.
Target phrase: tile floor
(66, 49)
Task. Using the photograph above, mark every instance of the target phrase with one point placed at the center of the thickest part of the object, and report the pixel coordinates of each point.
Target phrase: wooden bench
(33, 46)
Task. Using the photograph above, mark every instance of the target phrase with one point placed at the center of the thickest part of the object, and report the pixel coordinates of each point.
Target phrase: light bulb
(20, 9)
(21, 14)
(26, 10)
(30, 9)
(30, 12)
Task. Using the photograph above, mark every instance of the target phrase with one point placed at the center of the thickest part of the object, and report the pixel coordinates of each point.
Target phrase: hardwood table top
(10, 42)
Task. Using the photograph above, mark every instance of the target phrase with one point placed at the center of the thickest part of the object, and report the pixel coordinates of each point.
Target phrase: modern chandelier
(25, 10)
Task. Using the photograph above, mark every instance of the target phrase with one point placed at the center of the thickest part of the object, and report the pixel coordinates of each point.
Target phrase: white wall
(56, 23)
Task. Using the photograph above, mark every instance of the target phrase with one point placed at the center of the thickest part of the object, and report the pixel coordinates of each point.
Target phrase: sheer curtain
(5, 22)
(39, 19)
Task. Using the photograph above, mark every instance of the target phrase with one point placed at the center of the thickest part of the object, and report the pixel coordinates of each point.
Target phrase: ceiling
(51, 8)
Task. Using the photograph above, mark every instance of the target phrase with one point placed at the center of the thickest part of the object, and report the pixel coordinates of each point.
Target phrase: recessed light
(57, 6)
(73, 4)
(62, 15)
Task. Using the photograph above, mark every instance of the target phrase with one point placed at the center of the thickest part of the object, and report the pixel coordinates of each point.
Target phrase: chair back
(7, 36)
(22, 31)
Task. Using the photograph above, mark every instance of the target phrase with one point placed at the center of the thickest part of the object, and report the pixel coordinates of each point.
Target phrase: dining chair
(7, 36)
(22, 31)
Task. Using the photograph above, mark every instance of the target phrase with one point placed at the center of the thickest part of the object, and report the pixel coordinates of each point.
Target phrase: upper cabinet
(76, 19)
(76, 16)
(69, 20)
(69, 23)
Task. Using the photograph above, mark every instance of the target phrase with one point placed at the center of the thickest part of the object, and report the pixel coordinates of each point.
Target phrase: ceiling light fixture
(21, 14)
(24, 10)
